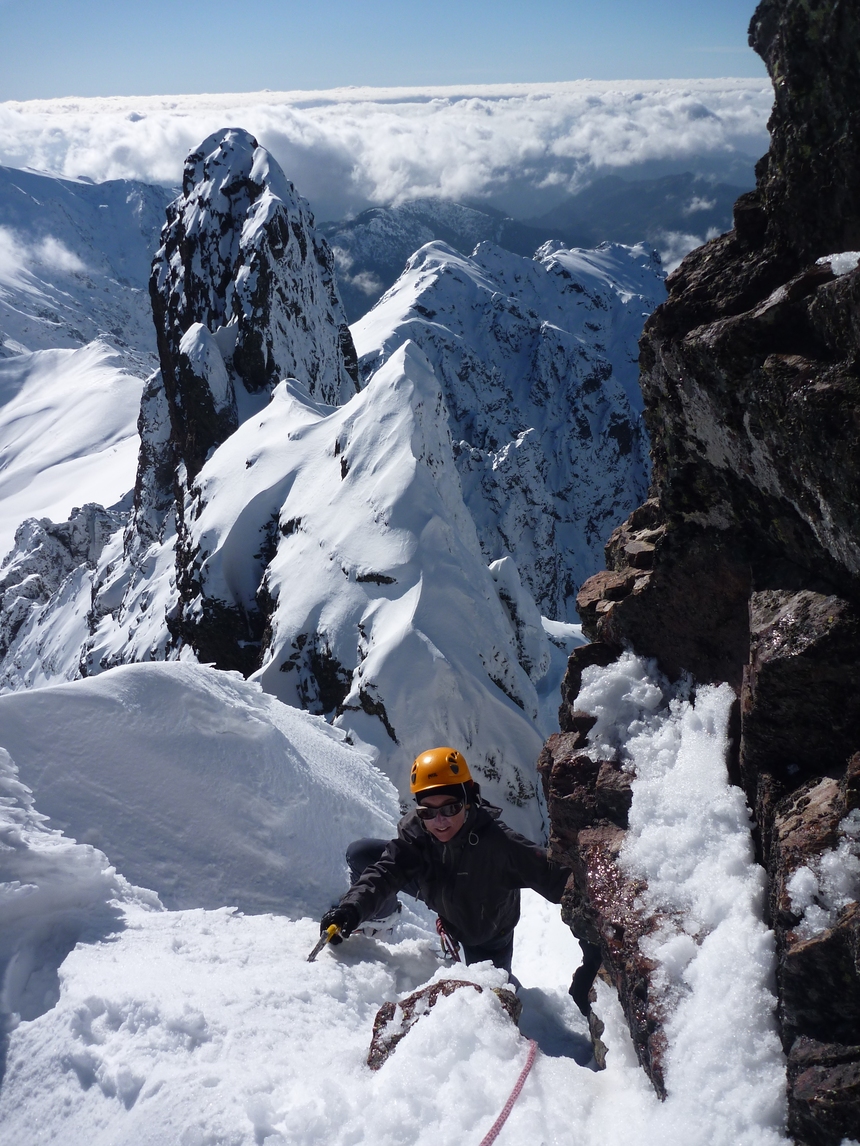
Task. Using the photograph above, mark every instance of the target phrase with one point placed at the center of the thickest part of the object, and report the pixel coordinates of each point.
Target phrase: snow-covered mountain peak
(370, 555)
(538, 361)
(241, 262)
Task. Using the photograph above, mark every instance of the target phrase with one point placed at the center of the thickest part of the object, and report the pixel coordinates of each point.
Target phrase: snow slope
(348, 524)
(209, 1026)
(68, 433)
(198, 785)
(538, 362)
(74, 264)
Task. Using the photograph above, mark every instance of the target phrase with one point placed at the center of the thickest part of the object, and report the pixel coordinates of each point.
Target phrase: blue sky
(146, 47)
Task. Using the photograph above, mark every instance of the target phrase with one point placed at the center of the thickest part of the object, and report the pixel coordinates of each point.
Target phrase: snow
(198, 785)
(53, 892)
(204, 1026)
(690, 839)
(818, 893)
(842, 263)
(538, 362)
(68, 433)
(74, 264)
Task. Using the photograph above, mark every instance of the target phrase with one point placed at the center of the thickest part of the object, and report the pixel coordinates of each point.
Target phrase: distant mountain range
(673, 213)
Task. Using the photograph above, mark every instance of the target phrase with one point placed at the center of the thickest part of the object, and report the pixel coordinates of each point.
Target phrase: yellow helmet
(438, 768)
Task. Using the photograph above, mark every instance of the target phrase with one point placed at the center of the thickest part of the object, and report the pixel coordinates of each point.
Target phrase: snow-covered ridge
(371, 249)
(538, 361)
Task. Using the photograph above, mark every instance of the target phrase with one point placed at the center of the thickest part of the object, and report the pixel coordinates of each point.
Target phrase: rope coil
(493, 1132)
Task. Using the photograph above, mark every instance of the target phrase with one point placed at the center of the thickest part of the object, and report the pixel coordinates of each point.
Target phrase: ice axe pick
(326, 937)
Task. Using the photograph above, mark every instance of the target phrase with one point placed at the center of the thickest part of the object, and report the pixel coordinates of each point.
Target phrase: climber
(453, 852)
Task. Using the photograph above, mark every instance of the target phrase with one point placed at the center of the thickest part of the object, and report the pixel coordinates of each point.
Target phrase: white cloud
(699, 203)
(53, 253)
(347, 148)
(18, 259)
(674, 245)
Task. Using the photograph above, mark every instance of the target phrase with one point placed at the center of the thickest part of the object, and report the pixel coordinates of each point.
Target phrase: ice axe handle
(325, 938)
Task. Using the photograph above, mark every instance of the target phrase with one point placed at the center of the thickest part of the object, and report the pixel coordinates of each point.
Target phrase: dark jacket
(472, 882)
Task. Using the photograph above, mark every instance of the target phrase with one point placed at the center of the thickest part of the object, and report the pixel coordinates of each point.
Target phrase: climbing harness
(450, 947)
(493, 1132)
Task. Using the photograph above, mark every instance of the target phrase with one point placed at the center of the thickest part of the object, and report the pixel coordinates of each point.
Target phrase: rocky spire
(809, 182)
(243, 295)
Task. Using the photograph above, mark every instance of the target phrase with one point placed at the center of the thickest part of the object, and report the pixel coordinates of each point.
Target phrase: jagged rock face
(745, 564)
(49, 570)
(810, 181)
(243, 295)
(589, 800)
(537, 363)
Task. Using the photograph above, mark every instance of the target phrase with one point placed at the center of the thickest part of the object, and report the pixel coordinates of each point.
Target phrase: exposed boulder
(394, 1020)
(744, 565)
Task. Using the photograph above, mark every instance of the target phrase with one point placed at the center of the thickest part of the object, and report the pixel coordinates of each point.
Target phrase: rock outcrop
(243, 295)
(395, 1020)
(744, 565)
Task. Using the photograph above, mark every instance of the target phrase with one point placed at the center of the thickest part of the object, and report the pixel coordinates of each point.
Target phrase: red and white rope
(493, 1132)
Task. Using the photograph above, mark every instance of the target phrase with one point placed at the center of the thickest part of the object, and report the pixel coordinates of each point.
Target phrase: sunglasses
(447, 811)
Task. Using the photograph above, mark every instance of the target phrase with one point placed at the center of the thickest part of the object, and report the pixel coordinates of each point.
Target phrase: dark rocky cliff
(243, 294)
(744, 565)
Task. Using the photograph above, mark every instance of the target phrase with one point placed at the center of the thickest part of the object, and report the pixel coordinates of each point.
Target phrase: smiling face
(443, 828)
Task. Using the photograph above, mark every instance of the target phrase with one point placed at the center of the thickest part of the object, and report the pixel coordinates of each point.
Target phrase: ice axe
(325, 938)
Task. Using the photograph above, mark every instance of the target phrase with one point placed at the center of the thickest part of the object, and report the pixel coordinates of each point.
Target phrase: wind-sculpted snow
(53, 892)
(198, 785)
(74, 263)
(538, 364)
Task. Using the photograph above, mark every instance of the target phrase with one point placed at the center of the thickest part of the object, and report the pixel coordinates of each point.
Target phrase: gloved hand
(345, 917)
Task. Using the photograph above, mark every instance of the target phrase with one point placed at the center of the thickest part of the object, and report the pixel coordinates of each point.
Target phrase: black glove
(345, 917)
